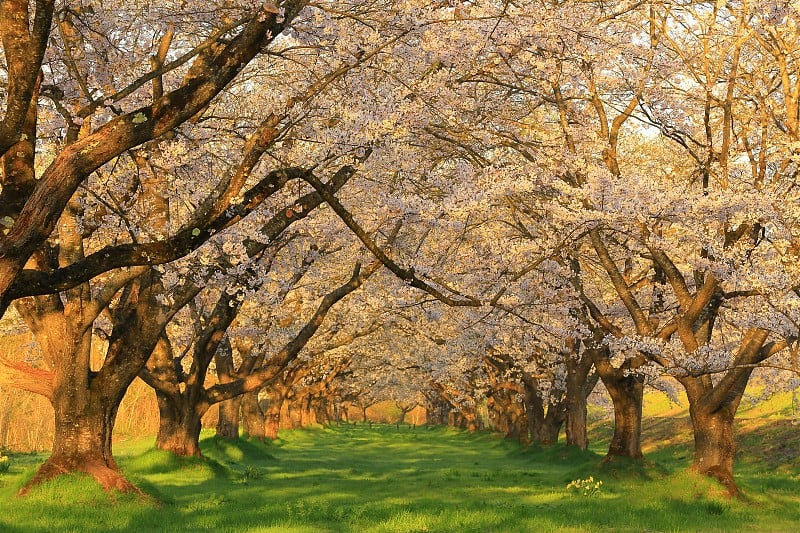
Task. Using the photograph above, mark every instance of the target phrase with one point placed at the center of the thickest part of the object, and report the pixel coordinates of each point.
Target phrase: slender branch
(643, 326)
(407, 275)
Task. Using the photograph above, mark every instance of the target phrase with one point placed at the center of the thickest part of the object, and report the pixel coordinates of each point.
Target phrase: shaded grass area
(384, 479)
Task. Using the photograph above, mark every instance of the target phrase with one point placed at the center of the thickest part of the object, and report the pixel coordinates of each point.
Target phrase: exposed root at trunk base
(264, 439)
(183, 450)
(110, 478)
(623, 458)
(724, 477)
(623, 467)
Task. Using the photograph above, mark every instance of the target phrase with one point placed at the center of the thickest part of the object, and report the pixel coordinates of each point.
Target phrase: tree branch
(407, 275)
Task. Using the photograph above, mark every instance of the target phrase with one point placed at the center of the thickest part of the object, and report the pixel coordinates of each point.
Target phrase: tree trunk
(272, 419)
(179, 425)
(228, 419)
(228, 422)
(465, 419)
(320, 408)
(550, 426)
(713, 406)
(714, 446)
(517, 422)
(436, 410)
(85, 403)
(575, 416)
(627, 391)
(713, 415)
(272, 415)
(307, 417)
(293, 415)
(578, 388)
(82, 442)
(253, 416)
(627, 394)
(543, 425)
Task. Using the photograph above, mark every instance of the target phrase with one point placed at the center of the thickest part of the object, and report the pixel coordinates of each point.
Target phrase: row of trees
(560, 193)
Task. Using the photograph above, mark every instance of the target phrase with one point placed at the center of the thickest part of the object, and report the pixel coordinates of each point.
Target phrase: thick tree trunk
(509, 417)
(84, 403)
(578, 388)
(272, 419)
(436, 412)
(626, 390)
(575, 418)
(253, 416)
(465, 419)
(293, 415)
(549, 428)
(320, 409)
(542, 418)
(334, 411)
(713, 415)
(543, 425)
(82, 443)
(516, 420)
(276, 396)
(307, 414)
(497, 421)
(228, 421)
(534, 411)
(627, 395)
(714, 446)
(179, 425)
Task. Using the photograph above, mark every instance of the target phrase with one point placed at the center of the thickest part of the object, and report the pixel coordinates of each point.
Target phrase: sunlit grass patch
(389, 479)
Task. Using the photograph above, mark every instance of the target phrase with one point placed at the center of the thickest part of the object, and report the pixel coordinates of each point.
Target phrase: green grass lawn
(381, 479)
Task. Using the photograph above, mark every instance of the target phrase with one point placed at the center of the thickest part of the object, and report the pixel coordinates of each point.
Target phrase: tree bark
(550, 426)
(546, 426)
(82, 441)
(626, 389)
(272, 418)
(714, 446)
(179, 425)
(713, 414)
(320, 407)
(578, 388)
(307, 417)
(627, 394)
(252, 416)
(713, 406)
(228, 421)
(576, 413)
(436, 410)
(544, 419)
(85, 402)
(276, 396)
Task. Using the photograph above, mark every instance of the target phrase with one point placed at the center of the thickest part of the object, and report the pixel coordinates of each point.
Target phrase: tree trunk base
(107, 476)
(180, 447)
(724, 477)
(714, 446)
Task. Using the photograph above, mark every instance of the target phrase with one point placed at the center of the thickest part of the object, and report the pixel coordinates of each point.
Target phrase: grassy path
(382, 479)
